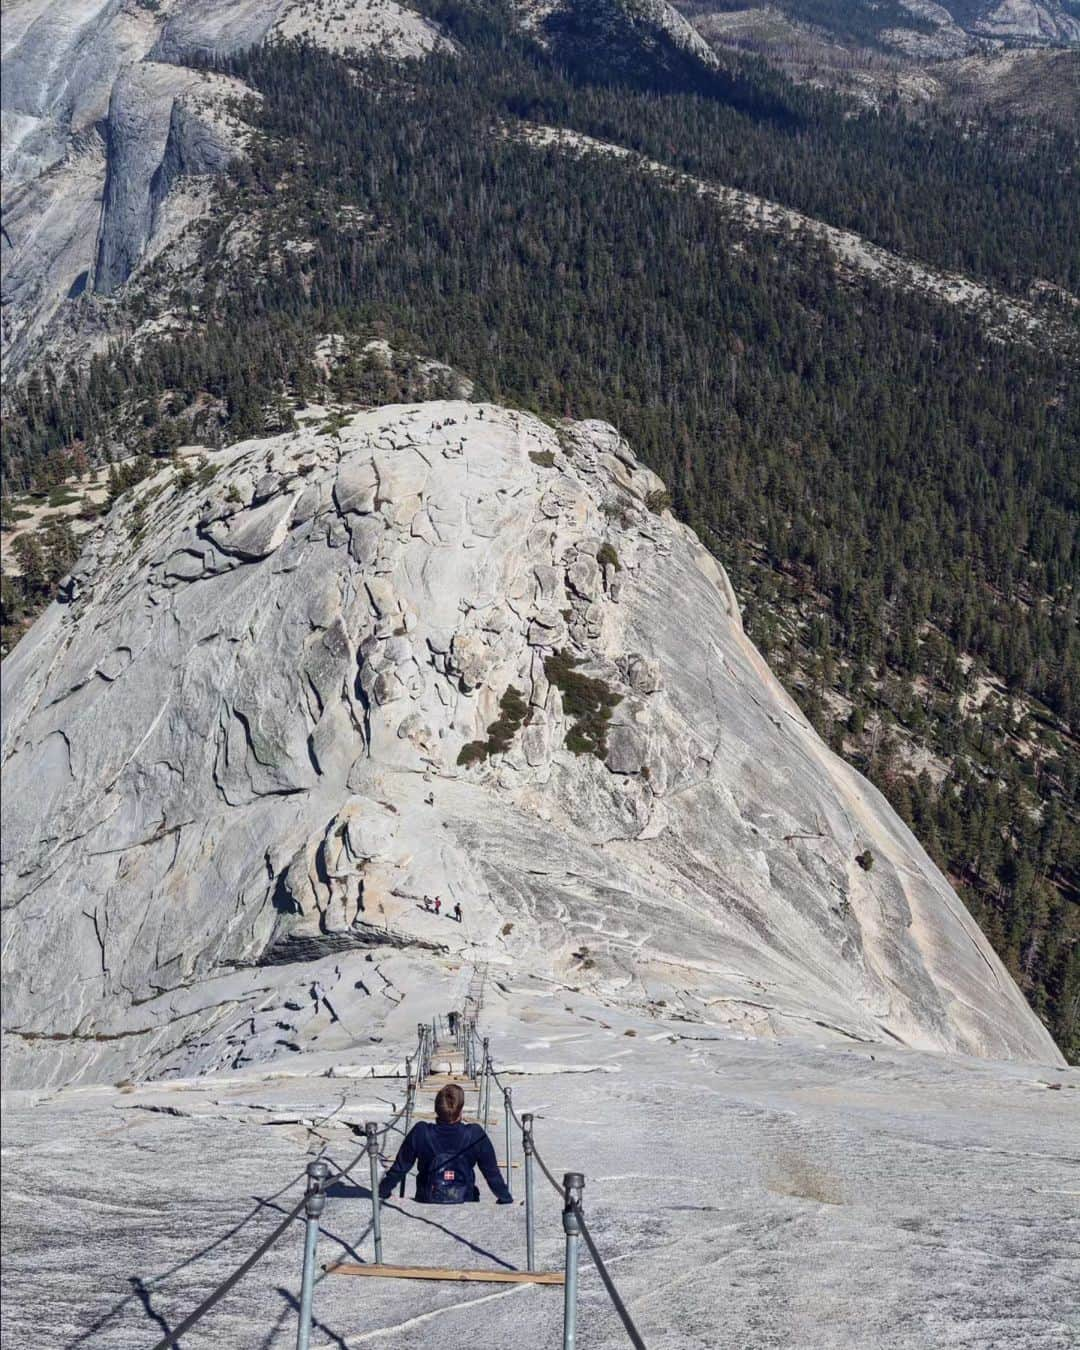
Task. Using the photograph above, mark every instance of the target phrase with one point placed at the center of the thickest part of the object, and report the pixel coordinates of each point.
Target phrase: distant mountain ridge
(1019, 58)
(102, 117)
(920, 28)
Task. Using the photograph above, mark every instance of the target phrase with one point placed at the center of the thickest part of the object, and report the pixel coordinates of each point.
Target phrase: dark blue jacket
(450, 1152)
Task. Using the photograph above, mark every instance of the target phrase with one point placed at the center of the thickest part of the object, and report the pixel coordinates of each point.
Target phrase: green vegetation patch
(513, 715)
(607, 557)
(126, 475)
(587, 700)
(335, 424)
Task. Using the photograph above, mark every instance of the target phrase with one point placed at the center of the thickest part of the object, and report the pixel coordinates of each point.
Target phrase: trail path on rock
(745, 1195)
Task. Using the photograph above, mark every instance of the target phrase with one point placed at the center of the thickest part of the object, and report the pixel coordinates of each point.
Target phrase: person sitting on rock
(445, 1154)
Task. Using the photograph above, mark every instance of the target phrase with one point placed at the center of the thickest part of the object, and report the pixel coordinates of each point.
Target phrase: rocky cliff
(442, 649)
(103, 120)
(113, 129)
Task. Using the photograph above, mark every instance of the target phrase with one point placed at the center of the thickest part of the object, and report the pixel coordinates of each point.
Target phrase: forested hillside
(895, 490)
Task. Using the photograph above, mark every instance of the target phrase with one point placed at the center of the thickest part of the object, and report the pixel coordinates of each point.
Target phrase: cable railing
(312, 1202)
(219, 1293)
(461, 1029)
(574, 1225)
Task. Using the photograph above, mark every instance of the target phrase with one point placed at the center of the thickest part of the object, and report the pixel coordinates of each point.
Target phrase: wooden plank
(441, 1273)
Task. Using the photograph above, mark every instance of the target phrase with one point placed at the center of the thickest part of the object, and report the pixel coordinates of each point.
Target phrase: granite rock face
(771, 1186)
(933, 32)
(103, 121)
(448, 650)
(1030, 21)
(164, 122)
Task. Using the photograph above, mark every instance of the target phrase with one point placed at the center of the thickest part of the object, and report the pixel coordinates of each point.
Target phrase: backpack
(449, 1179)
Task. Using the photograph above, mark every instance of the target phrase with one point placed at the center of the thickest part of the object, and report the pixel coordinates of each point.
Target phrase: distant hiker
(429, 800)
(438, 903)
(452, 1021)
(445, 1154)
(457, 910)
(427, 903)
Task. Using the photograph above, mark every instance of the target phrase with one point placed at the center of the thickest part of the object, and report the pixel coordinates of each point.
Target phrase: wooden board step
(441, 1273)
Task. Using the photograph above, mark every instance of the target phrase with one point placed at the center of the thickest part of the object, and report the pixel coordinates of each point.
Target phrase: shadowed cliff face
(102, 118)
(447, 650)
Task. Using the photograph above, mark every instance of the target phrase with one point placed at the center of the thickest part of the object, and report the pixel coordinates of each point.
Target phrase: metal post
(486, 1085)
(421, 1036)
(410, 1097)
(434, 1031)
(508, 1116)
(573, 1185)
(530, 1218)
(313, 1207)
(372, 1132)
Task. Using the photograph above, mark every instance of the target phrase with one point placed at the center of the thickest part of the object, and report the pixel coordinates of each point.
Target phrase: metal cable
(502, 1086)
(517, 1120)
(384, 1134)
(237, 1275)
(219, 1293)
(159, 1280)
(609, 1284)
(260, 1251)
(546, 1172)
(495, 1075)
